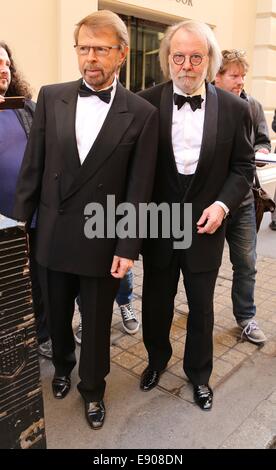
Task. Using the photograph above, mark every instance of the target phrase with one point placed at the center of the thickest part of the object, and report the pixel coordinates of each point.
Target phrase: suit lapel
(115, 125)
(208, 145)
(166, 113)
(65, 111)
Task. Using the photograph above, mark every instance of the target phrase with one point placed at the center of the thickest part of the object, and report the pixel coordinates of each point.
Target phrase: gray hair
(202, 30)
(101, 19)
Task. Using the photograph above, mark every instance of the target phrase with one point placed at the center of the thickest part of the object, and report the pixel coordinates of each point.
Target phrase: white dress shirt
(91, 113)
(187, 132)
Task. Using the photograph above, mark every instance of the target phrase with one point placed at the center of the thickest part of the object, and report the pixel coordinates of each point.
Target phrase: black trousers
(97, 297)
(159, 290)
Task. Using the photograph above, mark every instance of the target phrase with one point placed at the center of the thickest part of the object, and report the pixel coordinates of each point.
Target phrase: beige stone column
(264, 68)
(29, 28)
(69, 12)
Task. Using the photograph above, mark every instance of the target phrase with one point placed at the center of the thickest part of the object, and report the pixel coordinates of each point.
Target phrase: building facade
(41, 35)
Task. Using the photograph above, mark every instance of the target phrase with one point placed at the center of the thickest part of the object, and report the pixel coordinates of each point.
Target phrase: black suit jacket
(121, 163)
(224, 172)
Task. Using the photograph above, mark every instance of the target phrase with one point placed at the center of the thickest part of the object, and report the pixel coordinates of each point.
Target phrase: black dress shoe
(150, 379)
(95, 413)
(203, 396)
(61, 386)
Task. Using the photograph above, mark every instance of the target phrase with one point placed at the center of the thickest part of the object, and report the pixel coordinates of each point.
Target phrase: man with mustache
(205, 158)
(241, 232)
(90, 139)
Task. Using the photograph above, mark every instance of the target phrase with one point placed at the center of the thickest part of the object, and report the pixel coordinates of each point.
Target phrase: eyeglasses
(195, 59)
(99, 51)
(233, 54)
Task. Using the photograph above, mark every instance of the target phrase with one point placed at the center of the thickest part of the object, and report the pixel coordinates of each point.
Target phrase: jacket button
(100, 186)
(56, 176)
(61, 211)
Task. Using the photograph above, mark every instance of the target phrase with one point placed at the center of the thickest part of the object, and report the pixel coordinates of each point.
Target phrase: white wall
(30, 29)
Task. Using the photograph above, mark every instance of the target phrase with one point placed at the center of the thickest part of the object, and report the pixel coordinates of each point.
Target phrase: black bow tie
(104, 95)
(194, 101)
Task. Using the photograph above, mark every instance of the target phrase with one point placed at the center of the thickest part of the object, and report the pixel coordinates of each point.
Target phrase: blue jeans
(124, 294)
(241, 236)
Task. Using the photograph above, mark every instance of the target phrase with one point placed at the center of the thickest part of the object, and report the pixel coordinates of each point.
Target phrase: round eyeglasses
(99, 51)
(195, 59)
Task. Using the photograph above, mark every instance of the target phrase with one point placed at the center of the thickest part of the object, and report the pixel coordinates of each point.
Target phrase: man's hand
(2, 99)
(211, 219)
(263, 150)
(120, 267)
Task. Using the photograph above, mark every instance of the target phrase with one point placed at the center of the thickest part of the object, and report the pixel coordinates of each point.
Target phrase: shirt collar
(243, 95)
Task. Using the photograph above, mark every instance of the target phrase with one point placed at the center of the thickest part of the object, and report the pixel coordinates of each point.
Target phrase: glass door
(142, 69)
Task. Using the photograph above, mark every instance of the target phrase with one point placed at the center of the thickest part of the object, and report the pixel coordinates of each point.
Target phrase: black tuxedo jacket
(224, 172)
(121, 163)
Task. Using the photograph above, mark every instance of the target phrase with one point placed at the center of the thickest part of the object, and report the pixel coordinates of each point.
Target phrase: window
(142, 69)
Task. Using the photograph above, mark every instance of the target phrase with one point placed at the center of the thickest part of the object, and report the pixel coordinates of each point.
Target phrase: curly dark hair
(18, 86)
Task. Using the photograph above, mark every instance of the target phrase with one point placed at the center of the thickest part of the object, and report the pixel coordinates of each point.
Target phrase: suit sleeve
(242, 164)
(30, 176)
(260, 128)
(140, 182)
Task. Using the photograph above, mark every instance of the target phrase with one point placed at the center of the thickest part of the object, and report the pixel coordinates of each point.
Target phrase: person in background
(241, 233)
(205, 158)
(272, 225)
(15, 127)
(124, 300)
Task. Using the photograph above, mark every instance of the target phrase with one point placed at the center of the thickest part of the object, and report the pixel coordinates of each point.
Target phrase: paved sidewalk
(230, 352)
(244, 382)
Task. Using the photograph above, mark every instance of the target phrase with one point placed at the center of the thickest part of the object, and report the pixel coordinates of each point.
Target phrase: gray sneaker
(45, 349)
(130, 322)
(78, 332)
(251, 331)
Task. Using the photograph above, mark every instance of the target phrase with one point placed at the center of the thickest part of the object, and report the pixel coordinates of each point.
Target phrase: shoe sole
(97, 428)
(200, 407)
(255, 341)
(131, 332)
(58, 397)
(146, 390)
(205, 409)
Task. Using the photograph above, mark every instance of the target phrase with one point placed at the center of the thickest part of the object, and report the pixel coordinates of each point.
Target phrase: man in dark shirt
(241, 233)
(14, 131)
